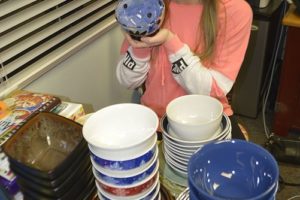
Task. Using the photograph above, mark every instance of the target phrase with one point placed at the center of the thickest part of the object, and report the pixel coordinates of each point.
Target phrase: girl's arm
(133, 66)
(215, 80)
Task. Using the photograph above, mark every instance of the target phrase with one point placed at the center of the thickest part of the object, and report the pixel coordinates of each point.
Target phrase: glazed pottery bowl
(224, 132)
(232, 169)
(140, 18)
(125, 173)
(194, 117)
(128, 180)
(152, 194)
(135, 191)
(128, 128)
(123, 165)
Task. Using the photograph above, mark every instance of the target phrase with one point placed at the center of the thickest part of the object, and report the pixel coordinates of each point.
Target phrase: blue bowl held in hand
(140, 17)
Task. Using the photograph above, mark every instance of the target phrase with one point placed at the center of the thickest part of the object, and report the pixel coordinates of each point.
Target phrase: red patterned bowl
(129, 190)
(148, 194)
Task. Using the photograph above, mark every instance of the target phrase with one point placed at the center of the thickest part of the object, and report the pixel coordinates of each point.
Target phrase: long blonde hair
(208, 26)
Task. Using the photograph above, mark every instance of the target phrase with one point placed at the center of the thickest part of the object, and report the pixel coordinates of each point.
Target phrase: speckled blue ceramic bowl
(128, 180)
(140, 17)
(125, 164)
(233, 169)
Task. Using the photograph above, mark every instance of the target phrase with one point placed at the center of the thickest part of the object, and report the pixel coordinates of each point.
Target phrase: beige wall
(88, 76)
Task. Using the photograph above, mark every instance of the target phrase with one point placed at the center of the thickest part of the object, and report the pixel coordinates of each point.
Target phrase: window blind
(35, 35)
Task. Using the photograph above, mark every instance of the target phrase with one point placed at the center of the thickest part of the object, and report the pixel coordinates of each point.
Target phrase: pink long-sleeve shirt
(172, 69)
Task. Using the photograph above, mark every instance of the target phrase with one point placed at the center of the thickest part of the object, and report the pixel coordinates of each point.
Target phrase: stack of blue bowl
(232, 169)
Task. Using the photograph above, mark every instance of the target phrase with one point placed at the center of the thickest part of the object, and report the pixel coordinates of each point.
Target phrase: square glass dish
(45, 145)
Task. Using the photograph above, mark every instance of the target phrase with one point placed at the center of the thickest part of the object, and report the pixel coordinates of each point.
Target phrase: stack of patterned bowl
(49, 156)
(124, 154)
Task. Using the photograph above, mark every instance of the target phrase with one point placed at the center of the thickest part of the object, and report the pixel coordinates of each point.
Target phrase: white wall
(88, 77)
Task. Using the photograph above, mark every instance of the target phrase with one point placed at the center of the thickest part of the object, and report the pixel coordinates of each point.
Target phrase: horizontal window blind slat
(30, 41)
(57, 39)
(10, 6)
(39, 22)
(51, 60)
(26, 14)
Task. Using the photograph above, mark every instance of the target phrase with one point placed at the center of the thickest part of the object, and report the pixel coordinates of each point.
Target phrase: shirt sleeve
(133, 65)
(217, 77)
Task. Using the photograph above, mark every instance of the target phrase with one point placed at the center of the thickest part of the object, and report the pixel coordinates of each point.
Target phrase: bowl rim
(269, 155)
(130, 145)
(130, 186)
(218, 116)
(57, 170)
(182, 160)
(194, 143)
(154, 160)
(139, 196)
(182, 150)
(142, 153)
(148, 25)
(129, 173)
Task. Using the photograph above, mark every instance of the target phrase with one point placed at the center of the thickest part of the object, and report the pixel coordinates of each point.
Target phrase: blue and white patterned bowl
(124, 173)
(130, 179)
(151, 194)
(122, 165)
(140, 17)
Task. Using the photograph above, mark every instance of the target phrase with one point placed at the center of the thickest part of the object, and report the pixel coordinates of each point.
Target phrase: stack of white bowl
(123, 146)
(190, 122)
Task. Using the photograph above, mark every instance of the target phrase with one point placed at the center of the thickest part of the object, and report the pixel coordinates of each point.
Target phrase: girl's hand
(135, 43)
(159, 38)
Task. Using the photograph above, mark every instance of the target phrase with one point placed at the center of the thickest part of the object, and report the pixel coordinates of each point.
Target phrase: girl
(198, 50)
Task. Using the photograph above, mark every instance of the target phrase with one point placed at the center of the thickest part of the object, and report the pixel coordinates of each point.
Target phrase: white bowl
(194, 117)
(120, 129)
(165, 127)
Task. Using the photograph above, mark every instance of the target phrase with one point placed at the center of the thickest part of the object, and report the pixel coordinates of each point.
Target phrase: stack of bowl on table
(232, 169)
(50, 158)
(122, 142)
(191, 121)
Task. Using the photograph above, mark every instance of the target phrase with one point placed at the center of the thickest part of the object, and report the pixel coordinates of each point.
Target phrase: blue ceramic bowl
(126, 164)
(140, 17)
(128, 180)
(233, 169)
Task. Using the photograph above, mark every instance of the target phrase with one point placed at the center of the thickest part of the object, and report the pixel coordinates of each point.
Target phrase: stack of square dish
(123, 148)
(50, 159)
